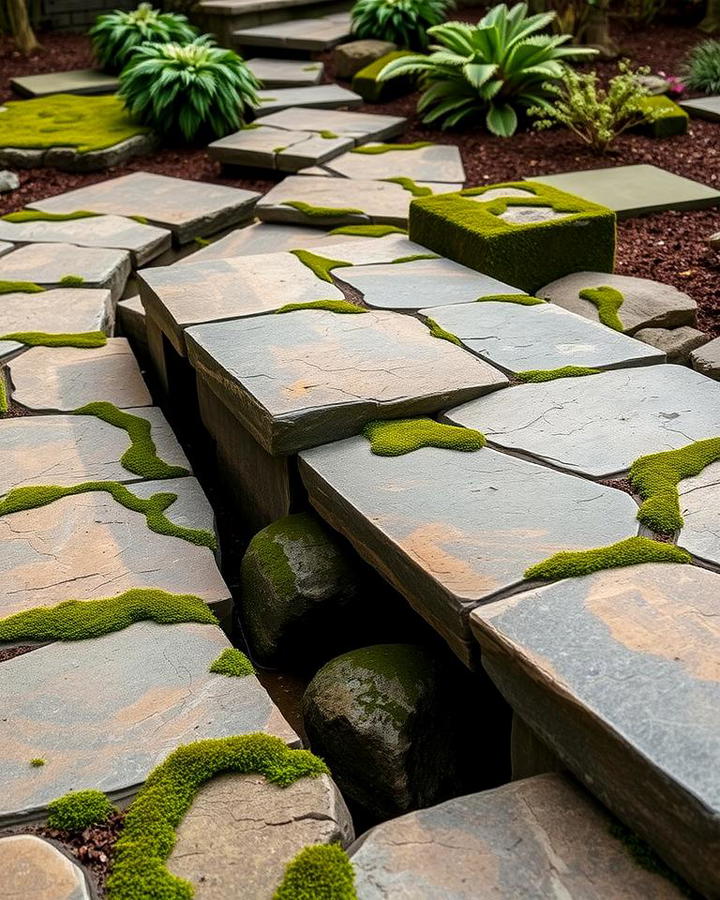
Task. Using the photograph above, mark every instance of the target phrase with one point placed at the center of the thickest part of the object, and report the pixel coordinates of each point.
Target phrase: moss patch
(20, 287)
(36, 215)
(37, 763)
(630, 552)
(522, 299)
(400, 436)
(319, 872)
(148, 834)
(232, 663)
(68, 120)
(337, 306)
(409, 185)
(367, 83)
(322, 212)
(656, 477)
(374, 231)
(202, 242)
(414, 258)
(536, 376)
(390, 148)
(607, 301)
(328, 135)
(78, 810)
(71, 280)
(153, 507)
(4, 405)
(437, 331)
(320, 266)
(87, 340)
(78, 620)
(141, 220)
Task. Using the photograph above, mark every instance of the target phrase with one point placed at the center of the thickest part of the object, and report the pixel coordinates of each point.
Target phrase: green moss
(608, 301)
(372, 90)
(322, 212)
(141, 220)
(536, 376)
(630, 552)
(656, 477)
(400, 436)
(374, 231)
(4, 404)
(202, 242)
(522, 299)
(148, 835)
(36, 215)
(84, 123)
(328, 135)
(37, 762)
(643, 854)
(321, 266)
(671, 119)
(71, 280)
(153, 507)
(414, 258)
(337, 306)
(437, 331)
(460, 226)
(310, 68)
(233, 663)
(390, 148)
(20, 287)
(409, 185)
(87, 340)
(141, 456)
(78, 620)
(78, 810)
(319, 872)
(279, 149)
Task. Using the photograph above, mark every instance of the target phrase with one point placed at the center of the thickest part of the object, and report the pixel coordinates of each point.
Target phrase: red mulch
(12, 652)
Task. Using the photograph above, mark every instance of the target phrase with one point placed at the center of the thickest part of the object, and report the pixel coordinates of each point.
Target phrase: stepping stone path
(74, 81)
(273, 148)
(703, 108)
(582, 661)
(282, 73)
(34, 869)
(360, 126)
(434, 163)
(312, 35)
(321, 96)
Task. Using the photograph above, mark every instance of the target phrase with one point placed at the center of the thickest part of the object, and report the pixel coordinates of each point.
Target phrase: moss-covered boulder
(670, 120)
(366, 83)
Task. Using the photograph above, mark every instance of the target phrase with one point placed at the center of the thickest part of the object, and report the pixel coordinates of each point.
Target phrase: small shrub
(78, 810)
(192, 91)
(116, 35)
(404, 22)
(702, 68)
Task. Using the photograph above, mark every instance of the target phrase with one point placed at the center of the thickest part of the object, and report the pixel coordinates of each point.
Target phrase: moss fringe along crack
(88, 340)
(537, 376)
(36, 215)
(318, 872)
(607, 301)
(396, 437)
(320, 266)
(322, 212)
(20, 287)
(522, 299)
(409, 185)
(373, 231)
(336, 306)
(232, 663)
(437, 331)
(372, 149)
(78, 810)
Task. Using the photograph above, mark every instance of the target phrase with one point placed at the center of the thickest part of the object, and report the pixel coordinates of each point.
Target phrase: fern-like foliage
(404, 22)
(195, 91)
(116, 35)
(701, 70)
(488, 69)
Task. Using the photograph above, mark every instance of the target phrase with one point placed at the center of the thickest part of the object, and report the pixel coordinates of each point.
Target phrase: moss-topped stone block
(366, 83)
(523, 233)
(672, 119)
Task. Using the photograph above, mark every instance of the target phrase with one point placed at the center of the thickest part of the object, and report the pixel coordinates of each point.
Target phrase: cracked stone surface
(61, 379)
(48, 264)
(241, 832)
(75, 81)
(189, 209)
(537, 838)
(617, 672)
(700, 507)
(436, 163)
(105, 711)
(703, 108)
(319, 96)
(360, 126)
(88, 546)
(450, 529)
(519, 338)
(72, 449)
(313, 35)
(600, 424)
(422, 282)
(35, 869)
(111, 232)
(280, 73)
(646, 303)
(63, 310)
(273, 148)
(303, 378)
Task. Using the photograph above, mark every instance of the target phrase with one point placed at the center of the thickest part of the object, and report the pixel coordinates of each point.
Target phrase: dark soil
(11, 652)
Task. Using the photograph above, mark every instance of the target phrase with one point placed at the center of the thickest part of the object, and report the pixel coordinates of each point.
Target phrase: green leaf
(478, 74)
(502, 120)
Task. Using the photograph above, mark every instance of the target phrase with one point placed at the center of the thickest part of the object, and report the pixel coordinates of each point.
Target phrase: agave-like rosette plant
(490, 68)
(404, 22)
(195, 90)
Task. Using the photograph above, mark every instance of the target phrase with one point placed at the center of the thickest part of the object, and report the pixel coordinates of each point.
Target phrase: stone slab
(313, 35)
(600, 424)
(61, 379)
(450, 530)
(5, 247)
(617, 672)
(35, 869)
(360, 126)
(131, 319)
(48, 264)
(70, 159)
(538, 838)
(436, 163)
(259, 237)
(703, 108)
(189, 209)
(421, 282)
(144, 242)
(706, 359)
(700, 508)
(72, 449)
(74, 81)
(676, 343)
(241, 832)
(88, 546)
(272, 148)
(319, 96)
(281, 73)
(304, 378)
(104, 712)
(520, 338)
(634, 190)
(646, 303)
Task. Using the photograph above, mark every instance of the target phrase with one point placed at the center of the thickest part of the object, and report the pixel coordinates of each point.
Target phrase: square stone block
(703, 108)
(360, 126)
(282, 73)
(320, 96)
(274, 148)
(435, 163)
(75, 81)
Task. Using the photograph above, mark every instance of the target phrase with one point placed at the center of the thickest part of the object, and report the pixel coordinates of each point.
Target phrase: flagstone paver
(706, 359)
(273, 148)
(313, 35)
(436, 163)
(35, 869)
(103, 712)
(189, 209)
(49, 264)
(261, 237)
(700, 507)
(112, 232)
(646, 303)
(361, 126)
(280, 73)
(600, 424)
(319, 96)
(61, 379)
(69, 450)
(537, 838)
(307, 377)
(703, 108)
(89, 546)
(449, 529)
(634, 190)
(131, 319)
(241, 832)
(74, 81)
(5, 247)
(618, 673)
(520, 338)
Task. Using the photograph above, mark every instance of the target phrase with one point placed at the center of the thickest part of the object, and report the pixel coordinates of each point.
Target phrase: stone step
(74, 81)
(272, 148)
(320, 96)
(424, 164)
(360, 126)
(297, 34)
(223, 17)
(703, 108)
(285, 73)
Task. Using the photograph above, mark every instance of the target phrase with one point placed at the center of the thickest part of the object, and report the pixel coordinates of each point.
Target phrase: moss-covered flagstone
(422, 162)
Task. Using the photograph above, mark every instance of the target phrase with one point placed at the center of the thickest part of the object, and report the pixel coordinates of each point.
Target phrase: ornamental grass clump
(196, 91)
(491, 70)
(701, 69)
(403, 22)
(116, 35)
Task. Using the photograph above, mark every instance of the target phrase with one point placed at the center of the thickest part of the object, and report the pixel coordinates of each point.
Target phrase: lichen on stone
(437, 331)
(536, 376)
(409, 185)
(20, 287)
(233, 663)
(396, 437)
(37, 215)
(608, 301)
(391, 148)
(71, 280)
(336, 306)
(321, 266)
(522, 299)
(87, 340)
(318, 872)
(322, 212)
(414, 258)
(373, 231)
(78, 810)
(630, 552)
(37, 762)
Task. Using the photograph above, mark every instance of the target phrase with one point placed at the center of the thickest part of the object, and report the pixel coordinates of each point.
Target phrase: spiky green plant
(115, 36)
(701, 69)
(193, 91)
(404, 22)
(488, 69)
